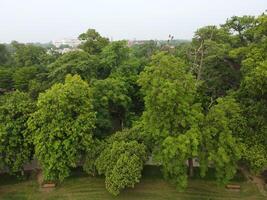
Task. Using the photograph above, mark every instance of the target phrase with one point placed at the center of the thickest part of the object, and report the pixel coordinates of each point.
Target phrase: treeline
(109, 106)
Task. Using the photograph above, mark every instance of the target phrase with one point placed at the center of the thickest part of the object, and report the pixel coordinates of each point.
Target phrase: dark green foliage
(22, 77)
(4, 55)
(16, 145)
(92, 42)
(29, 55)
(91, 154)
(111, 101)
(253, 96)
(75, 62)
(112, 57)
(6, 80)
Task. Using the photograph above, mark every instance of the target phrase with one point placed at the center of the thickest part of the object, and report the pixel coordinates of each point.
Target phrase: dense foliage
(16, 145)
(62, 126)
(109, 106)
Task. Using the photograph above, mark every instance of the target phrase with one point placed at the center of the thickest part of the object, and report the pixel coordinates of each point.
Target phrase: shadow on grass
(211, 175)
(7, 179)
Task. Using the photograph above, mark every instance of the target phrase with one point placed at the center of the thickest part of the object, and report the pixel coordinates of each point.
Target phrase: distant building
(135, 42)
(73, 43)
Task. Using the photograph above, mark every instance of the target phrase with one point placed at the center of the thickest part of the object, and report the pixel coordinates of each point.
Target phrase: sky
(48, 20)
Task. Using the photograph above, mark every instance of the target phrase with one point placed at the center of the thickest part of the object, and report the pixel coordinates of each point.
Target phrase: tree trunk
(191, 167)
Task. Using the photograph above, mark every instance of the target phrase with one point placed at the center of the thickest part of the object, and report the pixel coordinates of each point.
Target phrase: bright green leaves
(62, 126)
(253, 96)
(174, 154)
(255, 83)
(256, 157)
(221, 145)
(171, 116)
(126, 173)
(16, 145)
(169, 96)
(121, 162)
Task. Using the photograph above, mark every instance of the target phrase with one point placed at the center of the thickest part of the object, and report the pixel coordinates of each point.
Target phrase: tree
(6, 81)
(241, 26)
(22, 77)
(62, 126)
(126, 173)
(171, 112)
(111, 101)
(29, 55)
(221, 142)
(92, 153)
(122, 163)
(112, 56)
(16, 144)
(92, 42)
(212, 64)
(253, 98)
(145, 50)
(75, 62)
(4, 55)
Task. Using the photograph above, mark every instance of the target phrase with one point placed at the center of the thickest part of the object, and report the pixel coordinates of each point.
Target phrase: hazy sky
(46, 20)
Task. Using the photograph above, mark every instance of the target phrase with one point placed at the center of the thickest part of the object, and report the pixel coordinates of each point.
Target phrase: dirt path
(259, 182)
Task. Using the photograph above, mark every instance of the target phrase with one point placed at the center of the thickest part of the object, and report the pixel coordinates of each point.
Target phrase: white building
(67, 41)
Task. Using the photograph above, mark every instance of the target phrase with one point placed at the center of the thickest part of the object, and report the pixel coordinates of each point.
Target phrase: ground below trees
(81, 187)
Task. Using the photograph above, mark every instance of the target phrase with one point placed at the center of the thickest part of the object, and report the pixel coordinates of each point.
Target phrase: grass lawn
(152, 187)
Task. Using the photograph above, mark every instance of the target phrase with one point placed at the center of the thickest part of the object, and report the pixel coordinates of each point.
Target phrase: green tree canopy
(112, 56)
(171, 114)
(253, 96)
(92, 42)
(122, 163)
(4, 55)
(111, 101)
(6, 80)
(22, 77)
(62, 126)
(74, 62)
(29, 55)
(16, 145)
(221, 145)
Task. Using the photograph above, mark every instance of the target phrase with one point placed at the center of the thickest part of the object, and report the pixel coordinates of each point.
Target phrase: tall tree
(253, 97)
(221, 144)
(171, 114)
(16, 146)
(62, 126)
(212, 64)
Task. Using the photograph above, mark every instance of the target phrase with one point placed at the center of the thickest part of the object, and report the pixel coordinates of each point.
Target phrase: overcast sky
(46, 20)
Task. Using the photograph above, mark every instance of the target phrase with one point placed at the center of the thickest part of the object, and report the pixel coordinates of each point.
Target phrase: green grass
(152, 187)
